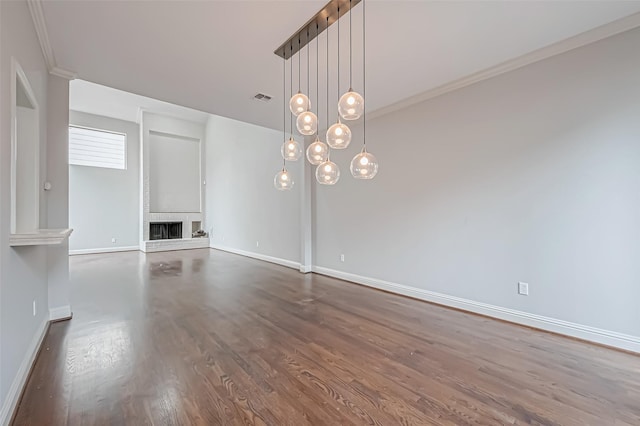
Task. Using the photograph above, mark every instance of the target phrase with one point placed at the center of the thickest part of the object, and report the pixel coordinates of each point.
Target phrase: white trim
(103, 250)
(60, 313)
(591, 36)
(139, 116)
(40, 237)
(305, 269)
(37, 16)
(592, 334)
(271, 259)
(61, 72)
(20, 379)
(15, 70)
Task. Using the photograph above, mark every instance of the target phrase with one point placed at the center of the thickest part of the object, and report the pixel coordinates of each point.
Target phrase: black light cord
(308, 71)
(328, 147)
(350, 54)
(364, 77)
(298, 64)
(338, 83)
(327, 52)
(317, 76)
(284, 111)
(291, 90)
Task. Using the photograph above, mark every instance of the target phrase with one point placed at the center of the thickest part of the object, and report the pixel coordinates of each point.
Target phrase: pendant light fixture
(328, 173)
(351, 104)
(318, 151)
(307, 122)
(299, 102)
(291, 150)
(364, 165)
(338, 135)
(283, 180)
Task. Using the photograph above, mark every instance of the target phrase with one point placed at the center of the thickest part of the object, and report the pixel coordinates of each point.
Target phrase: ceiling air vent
(262, 97)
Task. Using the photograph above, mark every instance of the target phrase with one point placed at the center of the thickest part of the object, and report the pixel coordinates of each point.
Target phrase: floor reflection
(102, 350)
(165, 269)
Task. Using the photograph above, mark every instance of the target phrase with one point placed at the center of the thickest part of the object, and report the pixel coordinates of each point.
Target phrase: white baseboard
(15, 391)
(59, 313)
(305, 269)
(276, 260)
(592, 334)
(103, 250)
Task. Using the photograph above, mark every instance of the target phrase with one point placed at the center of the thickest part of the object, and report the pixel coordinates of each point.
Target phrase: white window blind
(97, 148)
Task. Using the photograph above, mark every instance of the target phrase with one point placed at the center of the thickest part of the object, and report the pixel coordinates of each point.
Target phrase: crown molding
(37, 15)
(61, 72)
(588, 37)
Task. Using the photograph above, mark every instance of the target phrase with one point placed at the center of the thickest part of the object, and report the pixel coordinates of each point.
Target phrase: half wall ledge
(40, 237)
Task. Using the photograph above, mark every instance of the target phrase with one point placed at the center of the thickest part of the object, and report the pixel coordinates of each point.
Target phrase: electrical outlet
(113, 240)
(342, 258)
(34, 307)
(523, 288)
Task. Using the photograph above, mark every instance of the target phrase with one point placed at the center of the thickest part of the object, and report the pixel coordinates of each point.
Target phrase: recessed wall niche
(174, 173)
(25, 156)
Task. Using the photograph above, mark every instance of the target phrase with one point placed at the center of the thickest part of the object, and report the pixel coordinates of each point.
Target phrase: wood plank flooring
(205, 337)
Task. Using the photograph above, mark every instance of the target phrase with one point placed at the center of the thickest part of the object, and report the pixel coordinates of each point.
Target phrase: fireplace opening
(165, 230)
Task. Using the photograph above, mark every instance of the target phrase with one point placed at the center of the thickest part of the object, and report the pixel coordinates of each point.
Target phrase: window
(97, 148)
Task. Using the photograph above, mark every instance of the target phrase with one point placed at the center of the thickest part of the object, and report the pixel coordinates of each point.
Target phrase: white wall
(23, 270)
(104, 203)
(530, 176)
(242, 205)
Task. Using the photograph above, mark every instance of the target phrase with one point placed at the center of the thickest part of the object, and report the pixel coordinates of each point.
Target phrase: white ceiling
(215, 55)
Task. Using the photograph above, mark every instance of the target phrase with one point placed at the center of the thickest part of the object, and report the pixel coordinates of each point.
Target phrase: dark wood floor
(209, 338)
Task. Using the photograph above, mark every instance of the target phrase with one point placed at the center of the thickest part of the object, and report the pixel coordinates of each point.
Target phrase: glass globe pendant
(307, 123)
(351, 105)
(364, 165)
(339, 136)
(317, 152)
(291, 150)
(327, 173)
(299, 103)
(283, 180)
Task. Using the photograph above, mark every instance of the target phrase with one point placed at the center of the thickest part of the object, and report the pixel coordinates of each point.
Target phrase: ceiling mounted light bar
(314, 27)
